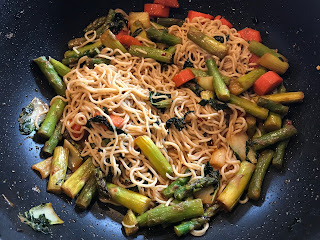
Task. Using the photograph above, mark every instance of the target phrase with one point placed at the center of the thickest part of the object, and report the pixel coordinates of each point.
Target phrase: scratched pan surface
(289, 207)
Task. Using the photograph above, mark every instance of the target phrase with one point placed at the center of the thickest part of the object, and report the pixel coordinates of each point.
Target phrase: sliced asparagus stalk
(43, 167)
(162, 36)
(88, 192)
(61, 69)
(286, 98)
(277, 160)
(75, 159)
(150, 52)
(53, 141)
(272, 106)
(130, 220)
(168, 22)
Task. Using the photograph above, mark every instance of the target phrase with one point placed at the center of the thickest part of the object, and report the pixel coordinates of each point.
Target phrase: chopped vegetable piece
(268, 81)
(93, 26)
(83, 51)
(207, 43)
(171, 214)
(179, 123)
(127, 198)
(259, 173)
(137, 30)
(168, 22)
(128, 40)
(150, 52)
(183, 77)
(130, 223)
(48, 70)
(117, 23)
(156, 158)
(254, 59)
(219, 86)
(205, 82)
(288, 97)
(109, 40)
(218, 158)
(142, 17)
(53, 141)
(162, 36)
(199, 73)
(281, 88)
(277, 160)
(29, 113)
(207, 95)
(194, 14)
(75, 159)
(43, 167)
(250, 34)
(238, 143)
(87, 193)
(273, 137)
(223, 21)
(251, 122)
(259, 49)
(105, 121)
(116, 120)
(61, 69)
(160, 100)
(78, 179)
(156, 10)
(206, 194)
(53, 116)
(58, 169)
(91, 62)
(272, 106)
(168, 3)
(273, 122)
(233, 191)
(39, 218)
(250, 107)
(170, 190)
(214, 104)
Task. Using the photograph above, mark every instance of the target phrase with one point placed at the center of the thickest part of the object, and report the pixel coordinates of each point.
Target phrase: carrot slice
(123, 32)
(128, 40)
(254, 59)
(183, 77)
(76, 127)
(223, 21)
(250, 34)
(116, 120)
(156, 10)
(168, 3)
(193, 14)
(267, 82)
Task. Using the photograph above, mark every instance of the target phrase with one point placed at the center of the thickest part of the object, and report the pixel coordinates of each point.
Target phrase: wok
(289, 207)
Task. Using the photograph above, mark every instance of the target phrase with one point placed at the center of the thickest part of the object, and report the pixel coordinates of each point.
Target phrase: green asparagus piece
(281, 88)
(73, 60)
(250, 107)
(150, 52)
(207, 43)
(43, 167)
(259, 49)
(199, 73)
(61, 69)
(159, 26)
(172, 49)
(171, 214)
(58, 169)
(78, 179)
(109, 40)
(196, 185)
(288, 97)
(207, 95)
(273, 63)
(127, 198)
(90, 62)
(130, 220)
(252, 123)
(246, 81)
(259, 173)
(163, 37)
(87, 193)
(76, 42)
(219, 86)
(273, 137)
(77, 146)
(156, 158)
(53, 141)
(104, 27)
(170, 190)
(69, 61)
(233, 191)
(96, 24)
(195, 223)
(84, 51)
(277, 160)
(75, 159)
(51, 74)
(55, 112)
(168, 22)
(272, 106)
(273, 122)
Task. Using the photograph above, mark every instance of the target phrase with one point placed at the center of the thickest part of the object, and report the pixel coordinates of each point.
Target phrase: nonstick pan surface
(289, 207)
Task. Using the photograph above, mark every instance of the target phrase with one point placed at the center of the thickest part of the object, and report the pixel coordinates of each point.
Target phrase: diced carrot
(183, 77)
(250, 34)
(156, 10)
(116, 120)
(254, 59)
(168, 3)
(223, 21)
(267, 82)
(128, 40)
(193, 14)
(123, 32)
(76, 127)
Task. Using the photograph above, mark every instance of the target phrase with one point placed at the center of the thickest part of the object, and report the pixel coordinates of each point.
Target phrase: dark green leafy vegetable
(187, 64)
(162, 101)
(103, 120)
(136, 32)
(214, 103)
(179, 123)
(117, 23)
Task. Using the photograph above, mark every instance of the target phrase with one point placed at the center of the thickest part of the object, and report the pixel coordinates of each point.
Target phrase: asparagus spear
(272, 106)
(43, 167)
(273, 63)
(251, 122)
(288, 97)
(232, 193)
(277, 160)
(170, 190)
(132, 200)
(162, 36)
(75, 159)
(73, 60)
(84, 51)
(250, 107)
(87, 193)
(185, 227)
(246, 81)
(51, 74)
(130, 220)
(90, 62)
(219, 86)
(207, 43)
(47, 127)
(78, 179)
(96, 24)
(156, 158)
(168, 22)
(103, 28)
(53, 141)
(109, 40)
(273, 137)
(69, 61)
(259, 49)
(273, 122)
(259, 173)
(58, 169)
(61, 69)
(150, 52)
(172, 49)
(171, 214)
(76, 42)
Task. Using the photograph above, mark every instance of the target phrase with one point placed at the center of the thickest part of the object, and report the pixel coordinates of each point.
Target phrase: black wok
(289, 208)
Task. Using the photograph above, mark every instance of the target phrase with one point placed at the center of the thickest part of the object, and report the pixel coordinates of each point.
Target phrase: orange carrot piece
(223, 21)
(267, 82)
(116, 120)
(183, 77)
(250, 34)
(128, 40)
(168, 3)
(193, 14)
(156, 10)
